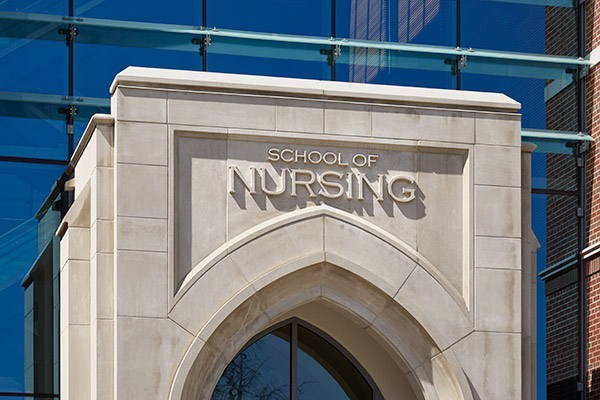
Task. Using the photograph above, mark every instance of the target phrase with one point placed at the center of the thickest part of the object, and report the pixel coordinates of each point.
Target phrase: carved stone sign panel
(228, 184)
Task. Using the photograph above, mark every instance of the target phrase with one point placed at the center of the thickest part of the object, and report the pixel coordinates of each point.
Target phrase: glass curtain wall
(60, 56)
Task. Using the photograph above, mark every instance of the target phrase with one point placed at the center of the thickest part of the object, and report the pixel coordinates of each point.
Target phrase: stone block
(75, 363)
(78, 246)
(103, 368)
(187, 108)
(142, 191)
(140, 105)
(142, 234)
(423, 124)
(503, 129)
(502, 253)
(498, 300)
(200, 210)
(498, 166)
(354, 287)
(102, 285)
(497, 211)
(75, 281)
(102, 190)
(102, 237)
(405, 335)
(387, 268)
(490, 361)
(276, 248)
(103, 138)
(209, 293)
(141, 143)
(148, 353)
(142, 289)
(443, 196)
(347, 119)
(434, 308)
(300, 116)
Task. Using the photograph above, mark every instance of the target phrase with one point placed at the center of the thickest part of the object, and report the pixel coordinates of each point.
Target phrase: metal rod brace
(456, 64)
(70, 33)
(332, 54)
(204, 44)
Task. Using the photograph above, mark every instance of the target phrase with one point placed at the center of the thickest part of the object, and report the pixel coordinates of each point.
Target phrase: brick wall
(562, 336)
(593, 328)
(561, 228)
(562, 343)
(593, 202)
(561, 31)
(561, 217)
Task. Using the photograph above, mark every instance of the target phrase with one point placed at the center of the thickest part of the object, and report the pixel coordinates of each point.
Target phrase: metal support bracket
(578, 73)
(71, 111)
(462, 62)
(456, 64)
(332, 54)
(204, 44)
(70, 33)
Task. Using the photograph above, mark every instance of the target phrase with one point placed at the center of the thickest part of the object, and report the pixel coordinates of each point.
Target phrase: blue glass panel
(300, 17)
(79, 129)
(56, 7)
(528, 92)
(262, 371)
(529, 28)
(33, 66)
(538, 170)
(555, 170)
(391, 68)
(31, 137)
(268, 66)
(97, 65)
(187, 12)
(29, 185)
(403, 21)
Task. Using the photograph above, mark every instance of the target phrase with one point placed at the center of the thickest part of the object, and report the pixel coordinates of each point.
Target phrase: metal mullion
(333, 35)
(458, 40)
(294, 361)
(30, 160)
(71, 44)
(582, 189)
(39, 395)
(555, 192)
(204, 23)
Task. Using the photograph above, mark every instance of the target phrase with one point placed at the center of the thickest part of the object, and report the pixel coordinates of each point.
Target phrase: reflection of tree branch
(241, 380)
(301, 389)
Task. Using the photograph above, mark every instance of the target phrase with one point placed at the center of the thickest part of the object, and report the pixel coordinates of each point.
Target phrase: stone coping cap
(97, 119)
(197, 80)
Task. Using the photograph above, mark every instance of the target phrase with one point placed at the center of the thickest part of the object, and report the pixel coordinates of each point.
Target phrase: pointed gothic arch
(415, 326)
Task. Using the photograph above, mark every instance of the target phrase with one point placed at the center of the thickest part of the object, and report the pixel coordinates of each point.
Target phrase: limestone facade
(209, 207)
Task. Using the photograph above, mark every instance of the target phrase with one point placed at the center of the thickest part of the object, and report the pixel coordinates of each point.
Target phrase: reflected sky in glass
(261, 372)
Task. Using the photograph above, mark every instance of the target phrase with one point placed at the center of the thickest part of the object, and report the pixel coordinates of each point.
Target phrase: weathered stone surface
(220, 205)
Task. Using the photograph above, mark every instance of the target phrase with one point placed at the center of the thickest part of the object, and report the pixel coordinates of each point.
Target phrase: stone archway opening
(294, 359)
(395, 351)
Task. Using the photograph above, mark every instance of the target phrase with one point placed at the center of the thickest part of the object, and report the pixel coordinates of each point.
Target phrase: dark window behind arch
(294, 360)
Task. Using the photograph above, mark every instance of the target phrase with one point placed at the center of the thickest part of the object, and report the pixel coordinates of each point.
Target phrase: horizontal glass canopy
(290, 47)
(554, 142)
(47, 106)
